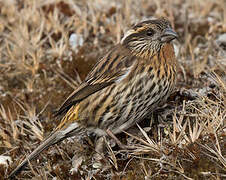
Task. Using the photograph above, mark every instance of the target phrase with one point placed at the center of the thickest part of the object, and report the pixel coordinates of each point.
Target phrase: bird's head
(148, 36)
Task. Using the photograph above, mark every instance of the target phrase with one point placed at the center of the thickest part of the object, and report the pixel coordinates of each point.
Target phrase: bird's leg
(99, 148)
(122, 146)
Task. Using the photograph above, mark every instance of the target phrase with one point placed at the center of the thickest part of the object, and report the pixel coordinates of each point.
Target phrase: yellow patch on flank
(72, 115)
(76, 112)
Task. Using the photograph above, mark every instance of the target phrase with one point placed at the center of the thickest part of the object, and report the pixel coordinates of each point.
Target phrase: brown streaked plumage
(128, 83)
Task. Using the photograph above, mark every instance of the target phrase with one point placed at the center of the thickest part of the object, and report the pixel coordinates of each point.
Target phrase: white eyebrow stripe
(131, 31)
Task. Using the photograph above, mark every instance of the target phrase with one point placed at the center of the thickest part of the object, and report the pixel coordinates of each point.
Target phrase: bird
(135, 77)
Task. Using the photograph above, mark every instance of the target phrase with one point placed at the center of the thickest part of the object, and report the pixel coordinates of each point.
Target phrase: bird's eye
(150, 32)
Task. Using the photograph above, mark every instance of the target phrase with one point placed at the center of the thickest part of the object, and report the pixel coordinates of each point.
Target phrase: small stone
(75, 41)
(5, 160)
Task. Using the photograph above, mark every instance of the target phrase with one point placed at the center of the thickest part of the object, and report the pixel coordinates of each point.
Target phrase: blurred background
(47, 48)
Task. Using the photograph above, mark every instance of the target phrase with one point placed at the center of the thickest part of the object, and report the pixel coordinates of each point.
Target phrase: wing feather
(110, 69)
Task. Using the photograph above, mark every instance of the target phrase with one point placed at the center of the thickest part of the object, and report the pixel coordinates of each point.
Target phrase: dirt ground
(48, 47)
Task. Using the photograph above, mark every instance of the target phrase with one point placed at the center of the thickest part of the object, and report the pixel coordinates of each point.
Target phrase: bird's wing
(112, 68)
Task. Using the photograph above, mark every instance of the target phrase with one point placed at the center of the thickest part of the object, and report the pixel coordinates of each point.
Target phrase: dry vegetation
(38, 69)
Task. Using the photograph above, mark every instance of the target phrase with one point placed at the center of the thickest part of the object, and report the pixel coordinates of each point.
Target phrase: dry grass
(39, 68)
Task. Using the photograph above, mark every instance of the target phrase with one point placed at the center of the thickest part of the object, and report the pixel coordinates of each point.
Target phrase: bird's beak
(168, 35)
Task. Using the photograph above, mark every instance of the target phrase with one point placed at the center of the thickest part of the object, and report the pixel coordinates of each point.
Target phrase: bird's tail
(67, 128)
(52, 139)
